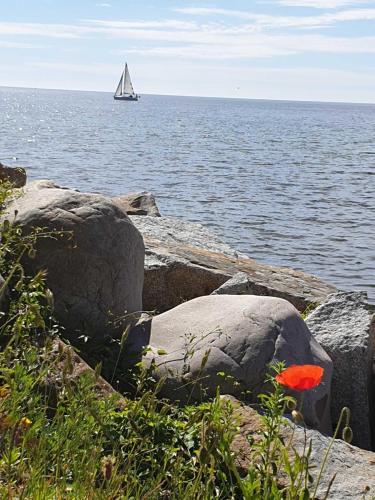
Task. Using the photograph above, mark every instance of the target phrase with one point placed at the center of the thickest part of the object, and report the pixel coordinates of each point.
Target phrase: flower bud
(50, 299)
(31, 253)
(297, 417)
(291, 404)
(347, 434)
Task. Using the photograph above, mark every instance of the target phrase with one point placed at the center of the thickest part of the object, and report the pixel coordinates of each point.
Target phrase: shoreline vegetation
(194, 395)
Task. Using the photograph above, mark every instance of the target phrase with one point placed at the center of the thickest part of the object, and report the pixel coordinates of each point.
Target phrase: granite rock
(184, 260)
(239, 284)
(197, 342)
(345, 328)
(95, 269)
(142, 203)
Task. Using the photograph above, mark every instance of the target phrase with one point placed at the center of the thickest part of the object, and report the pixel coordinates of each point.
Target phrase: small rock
(239, 284)
(138, 204)
(345, 328)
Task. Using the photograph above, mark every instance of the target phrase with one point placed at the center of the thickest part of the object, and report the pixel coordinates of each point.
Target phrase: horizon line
(196, 96)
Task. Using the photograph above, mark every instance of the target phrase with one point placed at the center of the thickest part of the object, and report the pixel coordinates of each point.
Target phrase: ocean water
(288, 183)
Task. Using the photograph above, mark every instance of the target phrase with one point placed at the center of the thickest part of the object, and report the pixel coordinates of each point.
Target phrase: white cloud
(103, 5)
(44, 30)
(18, 45)
(212, 52)
(85, 68)
(252, 38)
(322, 4)
(260, 46)
(88, 28)
(185, 31)
(354, 15)
(173, 24)
(272, 21)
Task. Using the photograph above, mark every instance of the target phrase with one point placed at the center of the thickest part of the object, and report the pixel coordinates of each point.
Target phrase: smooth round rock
(96, 275)
(229, 341)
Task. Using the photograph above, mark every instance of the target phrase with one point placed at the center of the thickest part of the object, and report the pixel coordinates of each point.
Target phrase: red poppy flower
(301, 377)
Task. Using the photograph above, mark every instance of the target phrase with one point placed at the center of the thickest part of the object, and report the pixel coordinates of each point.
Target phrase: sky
(320, 50)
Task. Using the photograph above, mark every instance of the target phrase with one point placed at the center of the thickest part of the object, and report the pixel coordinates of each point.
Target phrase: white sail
(120, 86)
(128, 87)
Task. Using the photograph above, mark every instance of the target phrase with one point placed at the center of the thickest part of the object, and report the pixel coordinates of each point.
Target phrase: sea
(288, 183)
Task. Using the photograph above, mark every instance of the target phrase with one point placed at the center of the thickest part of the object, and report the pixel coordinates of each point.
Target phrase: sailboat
(125, 91)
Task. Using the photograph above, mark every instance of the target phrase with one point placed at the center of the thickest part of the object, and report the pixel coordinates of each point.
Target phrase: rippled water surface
(289, 183)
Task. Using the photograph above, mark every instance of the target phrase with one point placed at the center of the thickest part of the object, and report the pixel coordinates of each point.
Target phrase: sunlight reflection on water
(289, 183)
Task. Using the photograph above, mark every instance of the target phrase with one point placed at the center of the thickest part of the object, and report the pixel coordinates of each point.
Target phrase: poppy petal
(301, 377)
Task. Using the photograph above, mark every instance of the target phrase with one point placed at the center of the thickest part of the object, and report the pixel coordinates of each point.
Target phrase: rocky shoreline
(210, 309)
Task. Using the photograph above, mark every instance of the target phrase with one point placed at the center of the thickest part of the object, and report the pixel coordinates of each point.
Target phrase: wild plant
(61, 438)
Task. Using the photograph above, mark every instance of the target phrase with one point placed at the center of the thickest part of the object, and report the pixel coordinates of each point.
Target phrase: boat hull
(125, 98)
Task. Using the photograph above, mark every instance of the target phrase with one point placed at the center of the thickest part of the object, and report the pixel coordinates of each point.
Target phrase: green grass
(59, 438)
(63, 440)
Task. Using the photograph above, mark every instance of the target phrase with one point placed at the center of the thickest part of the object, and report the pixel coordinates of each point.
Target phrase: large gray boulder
(184, 260)
(352, 469)
(198, 342)
(96, 275)
(345, 327)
